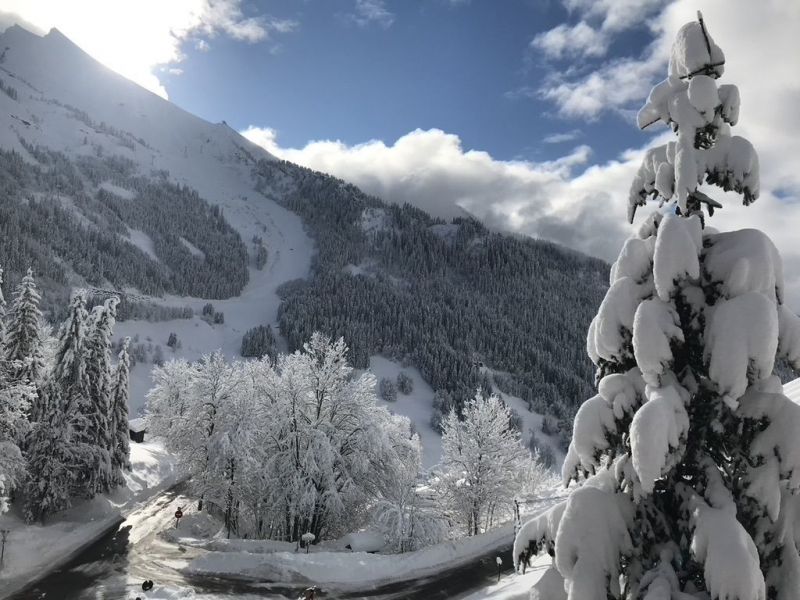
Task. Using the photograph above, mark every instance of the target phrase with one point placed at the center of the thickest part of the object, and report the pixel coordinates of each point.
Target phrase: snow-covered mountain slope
(64, 100)
(172, 206)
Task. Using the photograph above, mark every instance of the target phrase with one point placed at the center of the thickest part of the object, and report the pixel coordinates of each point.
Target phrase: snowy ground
(34, 550)
(417, 406)
(531, 421)
(514, 586)
(355, 571)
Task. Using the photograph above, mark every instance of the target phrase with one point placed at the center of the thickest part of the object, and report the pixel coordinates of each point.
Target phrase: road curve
(114, 567)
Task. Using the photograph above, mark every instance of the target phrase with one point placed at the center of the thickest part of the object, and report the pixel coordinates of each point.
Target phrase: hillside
(108, 186)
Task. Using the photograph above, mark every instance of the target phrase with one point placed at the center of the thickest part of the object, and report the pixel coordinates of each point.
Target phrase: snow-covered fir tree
(68, 394)
(689, 454)
(481, 460)
(120, 442)
(97, 405)
(52, 465)
(15, 400)
(2, 311)
(23, 341)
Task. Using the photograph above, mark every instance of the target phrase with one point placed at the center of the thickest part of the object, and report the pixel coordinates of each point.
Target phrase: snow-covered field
(34, 550)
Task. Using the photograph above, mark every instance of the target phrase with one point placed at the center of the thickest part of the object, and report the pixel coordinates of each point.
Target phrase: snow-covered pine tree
(15, 399)
(97, 405)
(23, 343)
(51, 467)
(690, 452)
(481, 459)
(68, 394)
(120, 443)
(2, 314)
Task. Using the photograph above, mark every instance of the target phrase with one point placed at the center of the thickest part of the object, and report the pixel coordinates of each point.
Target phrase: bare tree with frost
(689, 456)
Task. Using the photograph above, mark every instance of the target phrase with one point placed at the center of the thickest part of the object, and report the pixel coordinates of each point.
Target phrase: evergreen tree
(99, 401)
(15, 401)
(2, 315)
(120, 446)
(51, 468)
(23, 343)
(68, 391)
(690, 450)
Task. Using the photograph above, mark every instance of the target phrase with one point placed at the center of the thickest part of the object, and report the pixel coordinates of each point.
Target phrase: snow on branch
(539, 533)
(659, 428)
(741, 342)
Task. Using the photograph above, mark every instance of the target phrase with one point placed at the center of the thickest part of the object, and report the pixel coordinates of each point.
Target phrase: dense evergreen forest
(68, 217)
(448, 298)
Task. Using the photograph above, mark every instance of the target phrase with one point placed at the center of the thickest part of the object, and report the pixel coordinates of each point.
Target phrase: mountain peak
(55, 33)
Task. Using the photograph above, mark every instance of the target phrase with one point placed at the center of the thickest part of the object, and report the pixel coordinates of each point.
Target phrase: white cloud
(615, 15)
(561, 137)
(368, 12)
(432, 170)
(576, 40)
(587, 40)
(133, 37)
(612, 86)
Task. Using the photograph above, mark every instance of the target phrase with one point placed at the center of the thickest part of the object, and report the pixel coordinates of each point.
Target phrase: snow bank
(353, 570)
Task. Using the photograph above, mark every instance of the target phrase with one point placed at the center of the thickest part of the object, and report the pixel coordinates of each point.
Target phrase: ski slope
(69, 102)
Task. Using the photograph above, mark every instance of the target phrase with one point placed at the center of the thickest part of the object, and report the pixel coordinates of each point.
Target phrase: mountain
(110, 187)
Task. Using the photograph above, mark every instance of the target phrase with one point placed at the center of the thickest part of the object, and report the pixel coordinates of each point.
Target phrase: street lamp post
(3, 537)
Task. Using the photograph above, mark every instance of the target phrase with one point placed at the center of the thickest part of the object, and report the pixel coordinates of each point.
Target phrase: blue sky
(466, 68)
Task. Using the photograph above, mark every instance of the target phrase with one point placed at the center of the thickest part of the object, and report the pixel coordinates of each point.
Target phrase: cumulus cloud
(134, 37)
(593, 34)
(432, 170)
(579, 39)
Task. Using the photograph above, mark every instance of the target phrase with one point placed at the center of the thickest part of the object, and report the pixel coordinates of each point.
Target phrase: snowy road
(115, 566)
